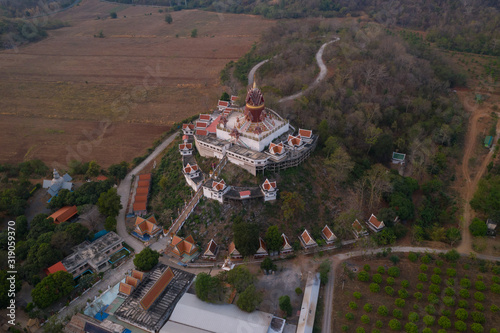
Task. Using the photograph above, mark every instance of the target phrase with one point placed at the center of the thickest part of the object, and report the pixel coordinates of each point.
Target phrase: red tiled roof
(234, 98)
(201, 132)
(145, 176)
(190, 126)
(223, 103)
(157, 289)
(245, 194)
(190, 168)
(374, 221)
(137, 275)
(305, 236)
(357, 226)
(294, 140)
(183, 246)
(218, 186)
(148, 225)
(141, 198)
(185, 146)
(276, 148)
(55, 268)
(138, 206)
(305, 133)
(143, 183)
(212, 246)
(101, 178)
(268, 185)
(142, 190)
(327, 232)
(64, 214)
(131, 281)
(125, 288)
(262, 245)
(189, 239)
(201, 124)
(231, 248)
(212, 128)
(286, 241)
(204, 117)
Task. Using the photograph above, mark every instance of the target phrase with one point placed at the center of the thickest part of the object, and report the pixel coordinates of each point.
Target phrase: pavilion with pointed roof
(146, 228)
(306, 240)
(328, 235)
(211, 250)
(269, 189)
(233, 252)
(183, 246)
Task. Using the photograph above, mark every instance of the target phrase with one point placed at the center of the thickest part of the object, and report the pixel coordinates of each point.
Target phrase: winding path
(321, 76)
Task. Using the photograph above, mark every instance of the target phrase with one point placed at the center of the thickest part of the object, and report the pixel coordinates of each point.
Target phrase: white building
(215, 189)
(269, 189)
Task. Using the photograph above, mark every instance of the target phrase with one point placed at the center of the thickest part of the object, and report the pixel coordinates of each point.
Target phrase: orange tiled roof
(55, 268)
(143, 183)
(294, 140)
(125, 288)
(327, 232)
(141, 198)
(374, 221)
(139, 206)
(234, 98)
(137, 275)
(276, 148)
(305, 133)
(212, 246)
(269, 185)
(157, 289)
(245, 194)
(204, 117)
(218, 186)
(185, 146)
(131, 281)
(64, 214)
(183, 246)
(357, 226)
(286, 242)
(201, 124)
(223, 103)
(101, 178)
(190, 168)
(201, 132)
(142, 190)
(190, 126)
(306, 237)
(262, 245)
(145, 176)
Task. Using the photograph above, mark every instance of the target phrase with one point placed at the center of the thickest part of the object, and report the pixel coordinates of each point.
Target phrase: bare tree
(377, 180)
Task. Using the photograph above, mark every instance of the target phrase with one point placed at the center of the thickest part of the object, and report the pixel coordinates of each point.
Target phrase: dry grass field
(57, 95)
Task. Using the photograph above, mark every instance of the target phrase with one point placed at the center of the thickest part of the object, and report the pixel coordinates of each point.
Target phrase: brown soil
(140, 76)
(344, 288)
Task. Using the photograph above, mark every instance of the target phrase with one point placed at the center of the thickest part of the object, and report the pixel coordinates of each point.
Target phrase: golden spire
(254, 82)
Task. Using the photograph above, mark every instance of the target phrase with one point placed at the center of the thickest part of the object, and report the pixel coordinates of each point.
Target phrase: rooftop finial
(254, 82)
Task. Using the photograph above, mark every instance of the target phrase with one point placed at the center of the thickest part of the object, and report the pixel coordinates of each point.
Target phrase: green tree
(146, 259)
(292, 205)
(339, 164)
(168, 18)
(249, 299)
(21, 226)
(110, 224)
(240, 278)
(209, 288)
(225, 97)
(268, 265)
(93, 169)
(285, 305)
(52, 288)
(478, 228)
(273, 238)
(324, 269)
(113, 15)
(194, 34)
(453, 235)
(109, 203)
(118, 171)
(246, 237)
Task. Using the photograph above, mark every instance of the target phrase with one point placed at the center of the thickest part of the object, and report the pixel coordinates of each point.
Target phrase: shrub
(477, 317)
(395, 325)
(349, 316)
(495, 287)
(389, 281)
(479, 306)
(405, 284)
(479, 296)
(403, 293)
(366, 268)
(389, 290)
(411, 328)
(433, 299)
(477, 328)
(461, 314)
(495, 279)
(460, 326)
(353, 305)
(494, 308)
(450, 282)
(480, 285)
(412, 256)
(423, 268)
(380, 269)
(365, 319)
(446, 313)
(493, 330)
(449, 301)
(427, 330)
(449, 291)
(379, 324)
(399, 302)
(426, 259)
(374, 287)
(375, 330)
(396, 313)
(452, 255)
(395, 259)
(451, 272)
(382, 310)
(437, 270)
(434, 288)
(422, 277)
(360, 330)
(418, 296)
(356, 294)
(368, 307)
(444, 322)
(394, 271)
(463, 304)
(420, 286)
(464, 293)
(363, 276)
(430, 309)
(478, 228)
(285, 304)
(439, 263)
(377, 278)
(465, 283)
(413, 317)
(480, 277)
(429, 320)
(436, 279)
(345, 328)
(298, 291)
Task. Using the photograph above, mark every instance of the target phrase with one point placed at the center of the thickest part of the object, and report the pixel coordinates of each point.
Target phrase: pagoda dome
(254, 103)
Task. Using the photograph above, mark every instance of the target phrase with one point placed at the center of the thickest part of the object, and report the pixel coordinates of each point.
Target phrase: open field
(440, 283)
(144, 75)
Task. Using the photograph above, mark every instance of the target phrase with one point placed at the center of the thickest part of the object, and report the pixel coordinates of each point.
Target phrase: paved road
(338, 258)
(124, 192)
